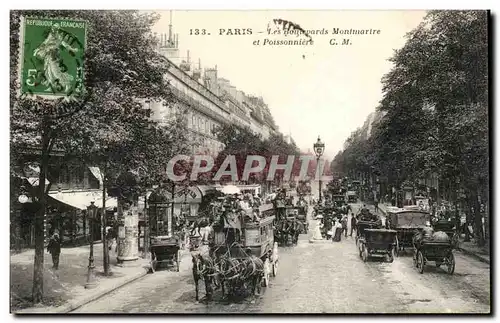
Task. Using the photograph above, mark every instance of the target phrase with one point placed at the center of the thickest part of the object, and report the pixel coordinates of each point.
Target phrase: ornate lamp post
(92, 214)
(319, 149)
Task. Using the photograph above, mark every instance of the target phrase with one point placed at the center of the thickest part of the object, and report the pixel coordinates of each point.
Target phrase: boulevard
(318, 277)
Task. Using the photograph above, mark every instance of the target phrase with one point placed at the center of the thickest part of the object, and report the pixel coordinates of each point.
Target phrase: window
(193, 121)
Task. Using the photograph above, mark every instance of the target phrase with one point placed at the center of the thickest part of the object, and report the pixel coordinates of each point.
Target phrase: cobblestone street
(319, 277)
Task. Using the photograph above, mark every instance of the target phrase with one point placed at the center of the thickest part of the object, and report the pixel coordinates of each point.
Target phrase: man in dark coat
(54, 248)
(353, 223)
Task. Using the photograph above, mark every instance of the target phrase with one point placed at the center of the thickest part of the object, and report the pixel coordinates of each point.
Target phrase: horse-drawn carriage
(165, 242)
(407, 223)
(352, 197)
(241, 254)
(289, 228)
(338, 200)
(447, 227)
(377, 242)
(440, 252)
(362, 226)
(165, 249)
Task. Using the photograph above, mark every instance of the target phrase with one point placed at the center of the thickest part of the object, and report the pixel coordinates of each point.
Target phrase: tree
(242, 142)
(121, 67)
(434, 109)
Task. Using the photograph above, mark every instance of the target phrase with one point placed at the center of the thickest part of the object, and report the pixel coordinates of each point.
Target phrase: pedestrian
(317, 231)
(344, 225)
(54, 247)
(375, 204)
(353, 223)
(337, 231)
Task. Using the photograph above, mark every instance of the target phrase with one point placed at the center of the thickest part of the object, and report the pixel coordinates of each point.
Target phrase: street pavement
(319, 277)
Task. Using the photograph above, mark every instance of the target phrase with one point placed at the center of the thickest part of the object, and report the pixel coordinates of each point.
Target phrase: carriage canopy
(409, 219)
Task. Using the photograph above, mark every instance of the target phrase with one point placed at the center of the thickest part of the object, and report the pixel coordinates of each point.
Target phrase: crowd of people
(337, 226)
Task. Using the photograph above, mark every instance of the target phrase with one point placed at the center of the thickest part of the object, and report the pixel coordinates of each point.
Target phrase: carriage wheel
(365, 254)
(451, 263)
(178, 260)
(265, 278)
(415, 258)
(420, 262)
(390, 257)
(360, 249)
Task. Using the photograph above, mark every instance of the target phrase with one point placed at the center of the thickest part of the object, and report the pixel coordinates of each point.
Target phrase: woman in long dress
(317, 231)
(337, 231)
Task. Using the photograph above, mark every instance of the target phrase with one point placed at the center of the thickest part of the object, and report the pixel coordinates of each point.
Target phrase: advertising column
(128, 222)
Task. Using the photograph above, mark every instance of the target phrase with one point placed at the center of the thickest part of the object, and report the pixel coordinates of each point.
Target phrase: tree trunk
(478, 223)
(486, 228)
(37, 291)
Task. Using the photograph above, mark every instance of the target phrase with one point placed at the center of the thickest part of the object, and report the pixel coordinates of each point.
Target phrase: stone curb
(74, 304)
(475, 255)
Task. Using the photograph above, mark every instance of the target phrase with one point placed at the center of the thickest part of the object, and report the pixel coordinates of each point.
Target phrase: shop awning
(81, 200)
(97, 173)
(230, 189)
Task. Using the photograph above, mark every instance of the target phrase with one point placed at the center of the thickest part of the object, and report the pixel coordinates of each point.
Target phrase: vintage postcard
(252, 161)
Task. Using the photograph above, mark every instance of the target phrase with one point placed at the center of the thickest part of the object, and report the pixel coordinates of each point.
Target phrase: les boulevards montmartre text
(254, 164)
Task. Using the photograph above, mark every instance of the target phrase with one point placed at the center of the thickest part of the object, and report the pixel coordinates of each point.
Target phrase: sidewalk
(64, 289)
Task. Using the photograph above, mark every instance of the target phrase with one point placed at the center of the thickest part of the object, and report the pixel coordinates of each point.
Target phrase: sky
(316, 90)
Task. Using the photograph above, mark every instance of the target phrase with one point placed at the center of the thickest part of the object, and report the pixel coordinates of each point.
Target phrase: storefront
(67, 213)
(165, 217)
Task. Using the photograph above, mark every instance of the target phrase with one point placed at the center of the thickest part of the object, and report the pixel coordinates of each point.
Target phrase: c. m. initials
(344, 42)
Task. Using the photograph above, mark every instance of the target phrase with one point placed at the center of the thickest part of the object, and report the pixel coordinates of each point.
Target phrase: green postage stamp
(52, 57)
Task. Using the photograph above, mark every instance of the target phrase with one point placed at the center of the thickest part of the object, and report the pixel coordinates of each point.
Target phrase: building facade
(207, 100)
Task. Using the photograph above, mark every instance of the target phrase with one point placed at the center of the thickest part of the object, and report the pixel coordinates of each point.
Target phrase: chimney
(188, 60)
(170, 42)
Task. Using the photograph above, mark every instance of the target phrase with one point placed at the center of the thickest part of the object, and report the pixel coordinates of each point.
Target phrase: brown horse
(230, 269)
(204, 269)
(241, 274)
(296, 229)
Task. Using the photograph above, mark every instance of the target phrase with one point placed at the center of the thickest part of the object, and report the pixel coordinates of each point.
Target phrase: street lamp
(319, 149)
(92, 214)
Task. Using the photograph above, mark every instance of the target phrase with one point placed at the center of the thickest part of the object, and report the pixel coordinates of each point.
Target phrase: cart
(438, 252)
(361, 227)
(165, 250)
(377, 242)
(352, 197)
(407, 223)
(165, 242)
(256, 236)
